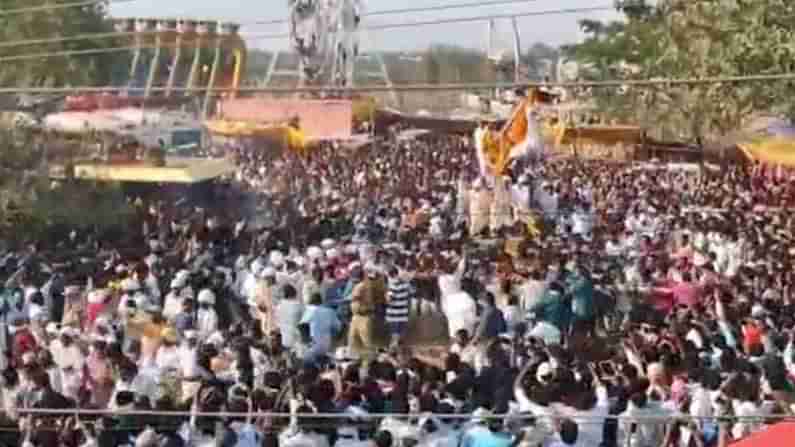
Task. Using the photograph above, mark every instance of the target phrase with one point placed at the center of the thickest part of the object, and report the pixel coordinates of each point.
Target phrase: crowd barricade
(77, 412)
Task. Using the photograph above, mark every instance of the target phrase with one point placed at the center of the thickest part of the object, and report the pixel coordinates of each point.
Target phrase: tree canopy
(28, 203)
(692, 39)
(86, 69)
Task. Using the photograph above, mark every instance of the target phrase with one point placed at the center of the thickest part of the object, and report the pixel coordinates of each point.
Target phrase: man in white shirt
(582, 222)
(288, 316)
(172, 304)
(139, 382)
(65, 353)
(168, 358)
(207, 319)
(532, 291)
(248, 287)
(187, 358)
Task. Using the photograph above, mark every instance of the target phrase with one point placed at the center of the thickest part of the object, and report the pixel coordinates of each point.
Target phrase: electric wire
(415, 87)
(75, 38)
(414, 10)
(89, 51)
(59, 6)
(478, 18)
(269, 36)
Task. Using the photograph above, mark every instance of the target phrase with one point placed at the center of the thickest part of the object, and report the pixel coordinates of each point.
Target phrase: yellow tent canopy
(295, 138)
(245, 129)
(604, 135)
(771, 150)
(176, 170)
(585, 135)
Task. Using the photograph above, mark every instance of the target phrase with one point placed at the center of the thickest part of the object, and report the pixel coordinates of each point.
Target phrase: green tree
(692, 39)
(88, 69)
(30, 205)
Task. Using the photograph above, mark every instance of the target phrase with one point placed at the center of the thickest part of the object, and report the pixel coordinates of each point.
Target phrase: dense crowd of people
(388, 295)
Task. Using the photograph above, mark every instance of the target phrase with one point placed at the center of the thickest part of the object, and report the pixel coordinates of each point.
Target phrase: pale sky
(553, 29)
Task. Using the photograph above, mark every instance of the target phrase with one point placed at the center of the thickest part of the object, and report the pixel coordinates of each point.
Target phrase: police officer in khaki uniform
(366, 298)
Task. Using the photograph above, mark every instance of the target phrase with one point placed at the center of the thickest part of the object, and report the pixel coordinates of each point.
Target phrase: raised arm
(461, 268)
(634, 358)
(720, 310)
(602, 399)
(524, 401)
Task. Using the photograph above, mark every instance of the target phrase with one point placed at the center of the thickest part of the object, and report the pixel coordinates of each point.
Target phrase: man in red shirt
(23, 340)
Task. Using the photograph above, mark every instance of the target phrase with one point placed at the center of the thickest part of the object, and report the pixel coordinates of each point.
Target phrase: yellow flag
(498, 146)
(296, 139)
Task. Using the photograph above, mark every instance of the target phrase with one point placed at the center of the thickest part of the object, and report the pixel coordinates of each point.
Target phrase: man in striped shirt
(399, 295)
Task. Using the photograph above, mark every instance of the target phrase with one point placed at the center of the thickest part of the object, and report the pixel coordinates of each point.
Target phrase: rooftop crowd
(601, 304)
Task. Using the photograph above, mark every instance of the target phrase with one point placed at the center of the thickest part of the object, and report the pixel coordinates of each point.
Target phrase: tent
(185, 170)
(295, 139)
(387, 117)
(777, 435)
(776, 150)
(774, 144)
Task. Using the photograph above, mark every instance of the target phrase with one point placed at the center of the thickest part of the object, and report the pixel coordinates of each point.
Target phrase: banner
(319, 119)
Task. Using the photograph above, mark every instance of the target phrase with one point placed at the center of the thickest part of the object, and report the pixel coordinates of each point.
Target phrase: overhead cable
(77, 37)
(58, 6)
(269, 36)
(415, 10)
(478, 18)
(65, 53)
(421, 87)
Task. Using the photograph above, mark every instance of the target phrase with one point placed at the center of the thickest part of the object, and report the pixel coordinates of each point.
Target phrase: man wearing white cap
(206, 319)
(172, 304)
(68, 357)
(187, 357)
